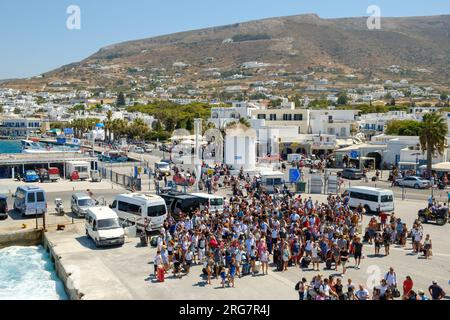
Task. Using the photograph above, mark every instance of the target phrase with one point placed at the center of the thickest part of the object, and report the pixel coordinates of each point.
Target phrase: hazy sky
(34, 37)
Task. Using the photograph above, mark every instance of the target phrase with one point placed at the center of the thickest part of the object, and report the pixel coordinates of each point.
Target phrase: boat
(35, 147)
(113, 156)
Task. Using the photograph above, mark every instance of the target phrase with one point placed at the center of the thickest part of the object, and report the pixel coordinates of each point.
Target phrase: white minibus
(134, 208)
(372, 199)
(214, 203)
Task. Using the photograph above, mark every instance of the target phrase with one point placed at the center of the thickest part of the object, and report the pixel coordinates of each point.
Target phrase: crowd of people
(256, 229)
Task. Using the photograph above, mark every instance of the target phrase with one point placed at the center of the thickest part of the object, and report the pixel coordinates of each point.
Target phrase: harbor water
(10, 146)
(27, 273)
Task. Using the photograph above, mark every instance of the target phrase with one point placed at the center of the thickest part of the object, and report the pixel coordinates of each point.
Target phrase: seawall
(21, 238)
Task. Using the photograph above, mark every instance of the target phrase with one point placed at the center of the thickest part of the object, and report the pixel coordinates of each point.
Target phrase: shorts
(315, 260)
(357, 255)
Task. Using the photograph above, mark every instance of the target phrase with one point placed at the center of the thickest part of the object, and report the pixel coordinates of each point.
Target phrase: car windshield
(163, 165)
(387, 198)
(85, 202)
(107, 224)
(216, 202)
(30, 173)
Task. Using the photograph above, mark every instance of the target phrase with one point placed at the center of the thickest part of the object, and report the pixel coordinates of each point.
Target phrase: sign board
(294, 175)
(354, 154)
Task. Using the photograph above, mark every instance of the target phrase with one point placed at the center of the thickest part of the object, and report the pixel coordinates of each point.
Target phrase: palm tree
(432, 136)
(108, 124)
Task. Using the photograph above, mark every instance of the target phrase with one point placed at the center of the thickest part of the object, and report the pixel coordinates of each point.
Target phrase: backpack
(297, 286)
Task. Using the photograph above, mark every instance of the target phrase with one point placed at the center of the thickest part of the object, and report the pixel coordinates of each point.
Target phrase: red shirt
(407, 286)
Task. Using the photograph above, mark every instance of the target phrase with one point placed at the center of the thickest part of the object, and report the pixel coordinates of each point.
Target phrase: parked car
(352, 174)
(54, 174)
(43, 175)
(95, 176)
(3, 207)
(31, 176)
(138, 150)
(413, 182)
(148, 148)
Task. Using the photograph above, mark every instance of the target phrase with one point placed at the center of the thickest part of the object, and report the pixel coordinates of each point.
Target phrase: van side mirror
(111, 206)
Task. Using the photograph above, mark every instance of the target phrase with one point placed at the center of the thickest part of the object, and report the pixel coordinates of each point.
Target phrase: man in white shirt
(362, 293)
(391, 278)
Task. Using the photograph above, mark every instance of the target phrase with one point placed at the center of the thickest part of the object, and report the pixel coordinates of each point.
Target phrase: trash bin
(300, 187)
(143, 238)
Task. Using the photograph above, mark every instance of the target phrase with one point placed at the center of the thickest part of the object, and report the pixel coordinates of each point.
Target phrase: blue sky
(35, 39)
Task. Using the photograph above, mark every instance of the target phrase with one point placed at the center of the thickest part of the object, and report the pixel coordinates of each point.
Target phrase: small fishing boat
(35, 147)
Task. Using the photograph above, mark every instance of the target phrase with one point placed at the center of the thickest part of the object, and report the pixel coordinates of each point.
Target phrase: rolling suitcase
(257, 266)
(161, 274)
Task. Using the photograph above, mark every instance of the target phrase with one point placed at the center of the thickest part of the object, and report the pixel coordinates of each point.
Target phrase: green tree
(433, 136)
(342, 99)
(403, 128)
(17, 111)
(120, 100)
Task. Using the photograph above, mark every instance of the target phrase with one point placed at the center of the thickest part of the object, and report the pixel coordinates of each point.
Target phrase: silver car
(413, 182)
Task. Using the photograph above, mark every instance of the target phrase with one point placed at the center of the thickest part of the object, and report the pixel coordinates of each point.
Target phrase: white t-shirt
(362, 294)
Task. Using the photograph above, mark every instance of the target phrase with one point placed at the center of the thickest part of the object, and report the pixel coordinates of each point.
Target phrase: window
(129, 208)
(364, 196)
(114, 204)
(298, 117)
(262, 116)
(273, 117)
(343, 132)
(40, 197)
(31, 198)
(108, 224)
(156, 211)
(216, 202)
(387, 198)
(287, 117)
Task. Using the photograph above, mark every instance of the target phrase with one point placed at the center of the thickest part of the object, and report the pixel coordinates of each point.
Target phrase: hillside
(294, 43)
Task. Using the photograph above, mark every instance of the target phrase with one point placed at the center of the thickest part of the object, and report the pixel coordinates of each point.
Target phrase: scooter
(59, 207)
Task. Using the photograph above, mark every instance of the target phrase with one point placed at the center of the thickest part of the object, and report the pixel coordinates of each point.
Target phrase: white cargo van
(82, 167)
(134, 208)
(215, 203)
(103, 227)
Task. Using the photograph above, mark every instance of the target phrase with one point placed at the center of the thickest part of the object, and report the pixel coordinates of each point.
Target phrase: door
(31, 203)
(41, 203)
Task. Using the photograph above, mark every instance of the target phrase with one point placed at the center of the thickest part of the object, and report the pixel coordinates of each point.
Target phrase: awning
(442, 166)
(407, 163)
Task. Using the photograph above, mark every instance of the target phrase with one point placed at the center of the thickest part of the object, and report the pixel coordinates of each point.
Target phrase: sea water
(27, 273)
(10, 146)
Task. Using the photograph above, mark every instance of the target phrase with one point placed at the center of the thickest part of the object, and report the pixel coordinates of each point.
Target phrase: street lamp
(417, 154)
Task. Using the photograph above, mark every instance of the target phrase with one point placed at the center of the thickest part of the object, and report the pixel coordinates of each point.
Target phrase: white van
(82, 167)
(214, 202)
(103, 227)
(372, 199)
(136, 207)
(30, 200)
